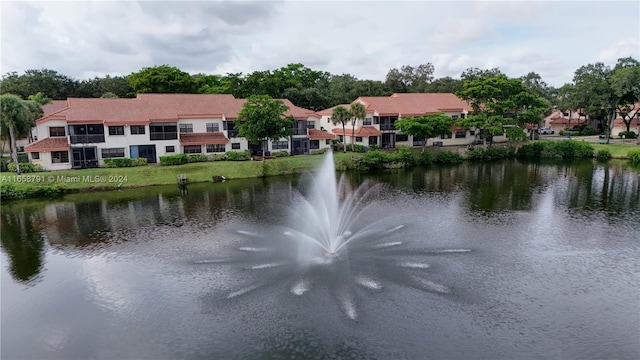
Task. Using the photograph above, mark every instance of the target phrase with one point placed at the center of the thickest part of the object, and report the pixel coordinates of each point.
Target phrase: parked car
(545, 131)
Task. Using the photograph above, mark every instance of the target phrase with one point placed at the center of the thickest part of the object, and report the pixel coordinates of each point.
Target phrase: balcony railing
(232, 133)
(163, 135)
(387, 127)
(86, 139)
(298, 131)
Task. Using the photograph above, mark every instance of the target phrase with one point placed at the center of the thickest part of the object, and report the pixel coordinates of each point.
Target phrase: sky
(85, 39)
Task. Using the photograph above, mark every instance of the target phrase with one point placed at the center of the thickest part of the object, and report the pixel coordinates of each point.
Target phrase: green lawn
(111, 178)
(617, 150)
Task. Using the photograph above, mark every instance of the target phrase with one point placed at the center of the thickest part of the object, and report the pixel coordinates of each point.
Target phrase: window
(35, 155)
(463, 116)
(311, 124)
(160, 131)
(461, 134)
(446, 136)
(454, 117)
(472, 132)
(193, 149)
(186, 128)
(213, 127)
(169, 149)
(56, 131)
(402, 137)
(327, 142)
(137, 129)
(88, 133)
(418, 141)
(215, 148)
(235, 146)
(280, 145)
(112, 153)
(314, 144)
(59, 157)
(116, 130)
(328, 120)
(366, 121)
(358, 138)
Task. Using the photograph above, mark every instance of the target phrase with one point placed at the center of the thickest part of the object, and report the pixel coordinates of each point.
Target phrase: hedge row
(11, 192)
(556, 150)
(124, 162)
(180, 159)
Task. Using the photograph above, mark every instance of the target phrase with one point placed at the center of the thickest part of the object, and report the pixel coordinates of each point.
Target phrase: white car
(545, 131)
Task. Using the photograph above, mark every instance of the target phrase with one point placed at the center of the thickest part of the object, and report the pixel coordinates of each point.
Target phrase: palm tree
(358, 111)
(341, 115)
(13, 115)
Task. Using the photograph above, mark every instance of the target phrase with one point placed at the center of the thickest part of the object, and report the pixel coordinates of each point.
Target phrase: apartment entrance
(144, 151)
(84, 157)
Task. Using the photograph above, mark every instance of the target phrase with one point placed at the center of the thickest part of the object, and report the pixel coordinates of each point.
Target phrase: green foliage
(191, 158)
(375, 160)
(162, 79)
(177, 159)
(492, 153)
(425, 158)
(627, 134)
(238, 155)
(556, 150)
(263, 118)
(603, 155)
(374, 147)
(125, 162)
(25, 167)
(447, 157)
(404, 156)
(409, 78)
(318, 151)
(358, 148)
(634, 155)
(426, 126)
(216, 157)
(11, 192)
(279, 154)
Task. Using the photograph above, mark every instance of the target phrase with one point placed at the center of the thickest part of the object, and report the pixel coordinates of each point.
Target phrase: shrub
(447, 157)
(375, 160)
(238, 155)
(635, 156)
(117, 162)
(177, 159)
(279, 154)
(192, 158)
(556, 149)
(11, 192)
(587, 131)
(216, 157)
(603, 155)
(318, 151)
(492, 153)
(374, 147)
(424, 158)
(627, 134)
(358, 148)
(25, 167)
(141, 161)
(404, 156)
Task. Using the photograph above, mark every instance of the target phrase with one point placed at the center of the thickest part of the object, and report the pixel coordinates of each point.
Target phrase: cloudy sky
(83, 39)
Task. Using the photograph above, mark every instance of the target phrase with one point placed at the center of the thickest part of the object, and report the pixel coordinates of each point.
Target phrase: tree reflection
(22, 241)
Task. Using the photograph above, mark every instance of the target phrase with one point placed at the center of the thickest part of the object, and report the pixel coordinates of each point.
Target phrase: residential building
(378, 127)
(87, 131)
(559, 120)
(619, 125)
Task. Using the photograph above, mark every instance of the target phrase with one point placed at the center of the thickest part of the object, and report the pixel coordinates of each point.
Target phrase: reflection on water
(552, 272)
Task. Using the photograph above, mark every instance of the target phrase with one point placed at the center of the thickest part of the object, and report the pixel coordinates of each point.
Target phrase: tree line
(305, 87)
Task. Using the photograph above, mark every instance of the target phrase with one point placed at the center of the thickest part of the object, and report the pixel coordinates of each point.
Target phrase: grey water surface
(503, 260)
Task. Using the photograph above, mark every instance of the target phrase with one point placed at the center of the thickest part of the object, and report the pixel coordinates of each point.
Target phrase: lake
(499, 260)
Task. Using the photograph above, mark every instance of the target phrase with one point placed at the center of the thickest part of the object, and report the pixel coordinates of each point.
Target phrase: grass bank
(617, 150)
(150, 175)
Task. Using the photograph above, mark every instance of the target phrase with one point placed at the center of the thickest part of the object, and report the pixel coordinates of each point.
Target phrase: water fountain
(332, 238)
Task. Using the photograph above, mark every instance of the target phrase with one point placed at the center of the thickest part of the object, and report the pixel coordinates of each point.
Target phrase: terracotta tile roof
(147, 108)
(315, 134)
(361, 131)
(565, 121)
(414, 104)
(203, 138)
(634, 122)
(329, 111)
(54, 106)
(48, 144)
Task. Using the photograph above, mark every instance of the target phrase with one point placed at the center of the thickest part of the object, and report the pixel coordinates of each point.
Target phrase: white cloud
(365, 39)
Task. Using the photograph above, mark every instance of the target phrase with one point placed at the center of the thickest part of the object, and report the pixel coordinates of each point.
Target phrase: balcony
(300, 131)
(86, 139)
(163, 135)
